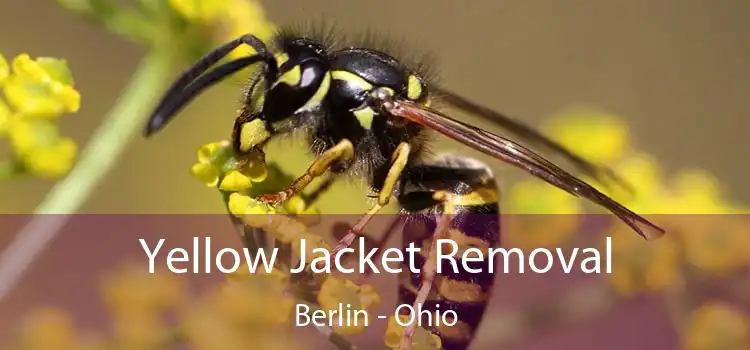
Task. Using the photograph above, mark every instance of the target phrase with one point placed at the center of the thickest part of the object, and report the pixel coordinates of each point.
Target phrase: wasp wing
(519, 156)
(529, 134)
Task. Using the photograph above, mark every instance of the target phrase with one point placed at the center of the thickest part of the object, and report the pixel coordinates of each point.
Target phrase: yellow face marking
(479, 197)
(365, 117)
(320, 94)
(351, 78)
(414, 88)
(252, 134)
(281, 58)
(291, 77)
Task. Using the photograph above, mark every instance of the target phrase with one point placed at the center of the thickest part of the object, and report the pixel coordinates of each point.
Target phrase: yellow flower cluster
(340, 291)
(36, 93)
(640, 266)
(217, 167)
(689, 206)
(540, 215)
(716, 325)
(248, 309)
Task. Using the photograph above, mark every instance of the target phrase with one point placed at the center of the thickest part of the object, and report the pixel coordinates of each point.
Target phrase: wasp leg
(429, 269)
(398, 163)
(342, 151)
(379, 246)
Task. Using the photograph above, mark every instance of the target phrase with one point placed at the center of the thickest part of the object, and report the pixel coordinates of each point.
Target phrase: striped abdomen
(475, 224)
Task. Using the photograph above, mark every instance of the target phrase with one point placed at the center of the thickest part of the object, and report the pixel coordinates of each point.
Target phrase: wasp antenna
(191, 83)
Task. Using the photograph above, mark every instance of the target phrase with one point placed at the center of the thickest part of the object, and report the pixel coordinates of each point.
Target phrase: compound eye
(416, 89)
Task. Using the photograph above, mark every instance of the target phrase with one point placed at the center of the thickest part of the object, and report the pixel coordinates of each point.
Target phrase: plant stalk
(102, 152)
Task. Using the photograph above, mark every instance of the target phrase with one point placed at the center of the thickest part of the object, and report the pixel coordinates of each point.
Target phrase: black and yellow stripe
(475, 223)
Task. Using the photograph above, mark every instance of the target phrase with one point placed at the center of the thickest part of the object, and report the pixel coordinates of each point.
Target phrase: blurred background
(674, 71)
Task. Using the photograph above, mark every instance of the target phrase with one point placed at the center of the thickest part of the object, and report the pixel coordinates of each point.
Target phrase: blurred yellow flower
(597, 136)
(276, 277)
(231, 18)
(312, 242)
(422, 339)
(138, 330)
(716, 243)
(717, 325)
(38, 144)
(643, 174)
(255, 301)
(53, 161)
(46, 329)
(541, 215)
(695, 192)
(4, 69)
(643, 266)
(287, 230)
(199, 10)
(132, 290)
(337, 292)
(242, 17)
(6, 117)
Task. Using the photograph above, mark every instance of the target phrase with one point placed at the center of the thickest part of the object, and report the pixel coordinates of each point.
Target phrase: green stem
(103, 151)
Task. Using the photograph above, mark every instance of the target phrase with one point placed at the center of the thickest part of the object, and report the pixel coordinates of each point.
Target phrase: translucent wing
(529, 134)
(519, 156)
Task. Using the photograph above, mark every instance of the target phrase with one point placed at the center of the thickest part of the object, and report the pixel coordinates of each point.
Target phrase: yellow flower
(337, 292)
(242, 17)
(422, 339)
(199, 10)
(41, 148)
(643, 174)
(597, 136)
(243, 205)
(287, 230)
(294, 205)
(715, 243)
(206, 173)
(696, 192)
(132, 290)
(541, 215)
(276, 277)
(235, 181)
(4, 69)
(54, 161)
(208, 151)
(716, 325)
(41, 88)
(216, 161)
(257, 300)
(48, 329)
(643, 266)
(6, 117)
(138, 330)
(312, 242)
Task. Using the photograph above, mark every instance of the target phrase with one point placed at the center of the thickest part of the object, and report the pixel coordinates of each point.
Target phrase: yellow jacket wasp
(367, 114)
